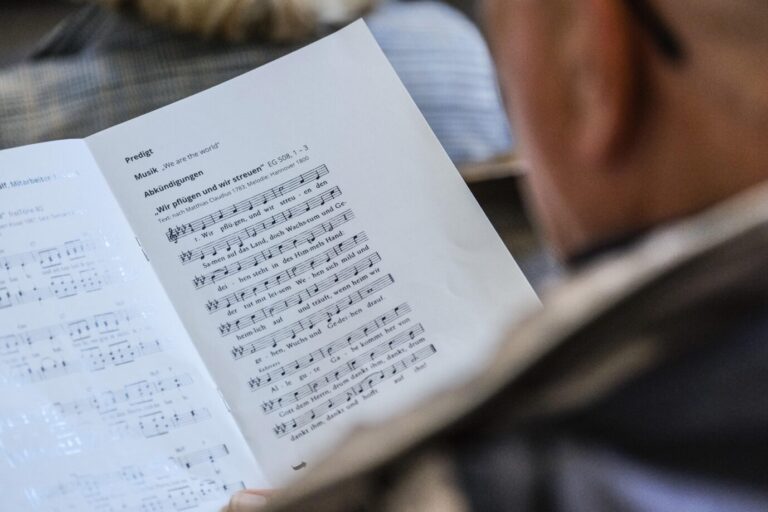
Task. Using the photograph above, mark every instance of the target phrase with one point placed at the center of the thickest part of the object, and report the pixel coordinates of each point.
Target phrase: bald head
(633, 112)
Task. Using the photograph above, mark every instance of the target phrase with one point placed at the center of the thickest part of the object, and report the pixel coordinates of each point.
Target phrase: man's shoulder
(688, 284)
(682, 288)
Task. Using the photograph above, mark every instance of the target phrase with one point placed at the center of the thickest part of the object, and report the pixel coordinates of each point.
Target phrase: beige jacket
(276, 20)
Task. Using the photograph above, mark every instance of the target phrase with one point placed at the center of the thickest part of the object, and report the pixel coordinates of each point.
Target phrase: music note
(250, 262)
(355, 390)
(336, 346)
(173, 234)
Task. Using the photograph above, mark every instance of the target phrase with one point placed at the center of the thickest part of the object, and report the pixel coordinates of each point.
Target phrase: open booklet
(209, 297)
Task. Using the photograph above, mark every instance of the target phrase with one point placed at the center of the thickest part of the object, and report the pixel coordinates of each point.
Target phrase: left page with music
(104, 402)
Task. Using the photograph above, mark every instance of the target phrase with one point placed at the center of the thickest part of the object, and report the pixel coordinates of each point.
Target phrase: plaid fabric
(99, 69)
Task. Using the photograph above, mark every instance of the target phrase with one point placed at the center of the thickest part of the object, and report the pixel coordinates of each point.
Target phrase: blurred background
(26, 26)
(24, 22)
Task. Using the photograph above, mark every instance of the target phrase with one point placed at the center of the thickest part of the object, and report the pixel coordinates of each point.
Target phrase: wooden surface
(502, 203)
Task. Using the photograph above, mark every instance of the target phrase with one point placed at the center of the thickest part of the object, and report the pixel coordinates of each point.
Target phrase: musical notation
(67, 285)
(108, 400)
(47, 368)
(297, 299)
(188, 497)
(325, 314)
(342, 371)
(237, 239)
(158, 423)
(208, 455)
(95, 410)
(104, 391)
(307, 237)
(48, 258)
(77, 331)
(155, 486)
(241, 295)
(117, 354)
(90, 344)
(330, 349)
(60, 286)
(370, 382)
(175, 233)
(103, 323)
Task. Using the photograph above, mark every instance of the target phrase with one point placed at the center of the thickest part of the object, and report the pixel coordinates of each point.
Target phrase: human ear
(606, 73)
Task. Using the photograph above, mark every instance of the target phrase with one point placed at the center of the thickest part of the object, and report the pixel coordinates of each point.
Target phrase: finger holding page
(249, 500)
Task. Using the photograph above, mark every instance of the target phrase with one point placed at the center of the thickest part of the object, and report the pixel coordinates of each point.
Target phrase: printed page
(320, 247)
(105, 403)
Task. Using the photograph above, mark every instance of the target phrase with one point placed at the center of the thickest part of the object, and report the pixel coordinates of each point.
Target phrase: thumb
(248, 501)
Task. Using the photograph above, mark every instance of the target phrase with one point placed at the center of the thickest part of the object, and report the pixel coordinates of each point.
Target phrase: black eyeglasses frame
(664, 38)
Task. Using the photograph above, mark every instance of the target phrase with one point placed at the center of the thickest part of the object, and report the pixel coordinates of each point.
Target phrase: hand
(248, 501)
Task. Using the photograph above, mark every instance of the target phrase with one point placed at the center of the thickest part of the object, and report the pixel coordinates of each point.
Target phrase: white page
(291, 209)
(105, 403)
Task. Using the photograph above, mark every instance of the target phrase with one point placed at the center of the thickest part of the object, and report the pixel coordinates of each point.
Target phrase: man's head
(633, 112)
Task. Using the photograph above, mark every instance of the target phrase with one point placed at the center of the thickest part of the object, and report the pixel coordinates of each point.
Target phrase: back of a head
(633, 113)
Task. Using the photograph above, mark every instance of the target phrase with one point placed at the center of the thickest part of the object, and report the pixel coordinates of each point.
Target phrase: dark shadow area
(23, 23)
